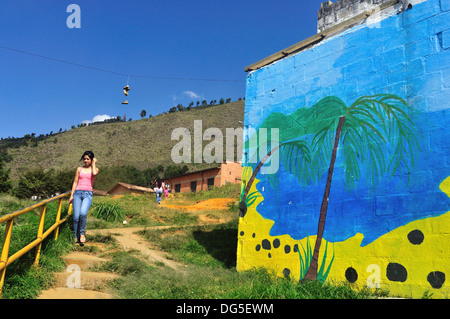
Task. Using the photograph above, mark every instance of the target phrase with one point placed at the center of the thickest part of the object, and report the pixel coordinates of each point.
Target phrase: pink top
(85, 181)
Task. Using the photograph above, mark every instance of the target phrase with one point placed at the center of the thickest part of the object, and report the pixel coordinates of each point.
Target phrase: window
(177, 188)
(193, 186)
(210, 182)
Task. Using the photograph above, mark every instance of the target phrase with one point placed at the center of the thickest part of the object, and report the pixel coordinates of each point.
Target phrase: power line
(113, 72)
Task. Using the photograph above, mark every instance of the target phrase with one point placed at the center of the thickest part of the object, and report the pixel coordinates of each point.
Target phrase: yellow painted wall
(369, 262)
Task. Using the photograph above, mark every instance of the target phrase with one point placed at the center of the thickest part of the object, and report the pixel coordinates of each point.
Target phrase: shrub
(109, 212)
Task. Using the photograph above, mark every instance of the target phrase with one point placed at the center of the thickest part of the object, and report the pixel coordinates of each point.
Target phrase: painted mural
(361, 189)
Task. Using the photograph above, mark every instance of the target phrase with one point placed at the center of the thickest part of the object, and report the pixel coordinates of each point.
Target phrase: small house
(228, 172)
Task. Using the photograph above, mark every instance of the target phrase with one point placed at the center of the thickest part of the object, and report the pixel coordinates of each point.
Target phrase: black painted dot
(258, 247)
(295, 248)
(253, 235)
(242, 233)
(416, 237)
(287, 249)
(396, 272)
(269, 255)
(276, 243)
(436, 279)
(266, 244)
(351, 274)
(286, 273)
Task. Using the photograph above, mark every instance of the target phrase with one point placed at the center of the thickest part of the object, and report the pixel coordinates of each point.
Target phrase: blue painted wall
(407, 55)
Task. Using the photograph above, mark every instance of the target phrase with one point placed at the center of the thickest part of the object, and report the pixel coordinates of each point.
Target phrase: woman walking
(81, 195)
(159, 190)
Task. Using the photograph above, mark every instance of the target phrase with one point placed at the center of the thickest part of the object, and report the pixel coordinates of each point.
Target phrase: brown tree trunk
(258, 167)
(242, 204)
(312, 271)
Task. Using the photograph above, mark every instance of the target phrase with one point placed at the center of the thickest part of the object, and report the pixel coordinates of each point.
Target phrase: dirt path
(208, 204)
(92, 284)
(213, 204)
(128, 239)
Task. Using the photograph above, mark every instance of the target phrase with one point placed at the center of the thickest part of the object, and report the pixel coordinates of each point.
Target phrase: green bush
(41, 182)
(109, 212)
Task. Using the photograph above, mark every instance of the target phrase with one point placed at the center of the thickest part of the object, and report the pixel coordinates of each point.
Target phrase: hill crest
(143, 143)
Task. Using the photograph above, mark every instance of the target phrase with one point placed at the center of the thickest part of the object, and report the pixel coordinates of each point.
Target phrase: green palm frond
(251, 198)
(361, 144)
(378, 131)
(320, 129)
(388, 136)
(297, 158)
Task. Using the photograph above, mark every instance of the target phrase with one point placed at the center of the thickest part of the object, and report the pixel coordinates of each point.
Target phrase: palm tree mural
(375, 132)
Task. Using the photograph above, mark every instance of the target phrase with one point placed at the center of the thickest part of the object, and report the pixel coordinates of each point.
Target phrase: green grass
(209, 253)
(139, 210)
(9, 204)
(124, 263)
(209, 250)
(225, 191)
(217, 282)
(109, 212)
(207, 246)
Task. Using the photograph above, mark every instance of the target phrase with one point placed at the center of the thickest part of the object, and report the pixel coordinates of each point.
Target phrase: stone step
(83, 260)
(73, 293)
(77, 282)
(76, 278)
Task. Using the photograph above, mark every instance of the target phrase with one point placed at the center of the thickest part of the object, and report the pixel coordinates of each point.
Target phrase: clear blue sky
(170, 43)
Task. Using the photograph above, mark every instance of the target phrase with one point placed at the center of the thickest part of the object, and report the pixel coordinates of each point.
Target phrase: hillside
(141, 143)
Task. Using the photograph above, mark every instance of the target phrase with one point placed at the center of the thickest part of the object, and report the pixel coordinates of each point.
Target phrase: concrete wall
(200, 178)
(387, 221)
(331, 14)
(230, 173)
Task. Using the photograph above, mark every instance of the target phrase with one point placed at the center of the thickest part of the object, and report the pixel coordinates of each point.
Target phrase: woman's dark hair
(88, 153)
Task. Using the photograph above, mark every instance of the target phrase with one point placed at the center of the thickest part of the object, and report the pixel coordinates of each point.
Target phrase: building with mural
(346, 164)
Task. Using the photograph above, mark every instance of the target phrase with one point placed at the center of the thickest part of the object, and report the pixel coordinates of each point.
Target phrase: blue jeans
(82, 200)
(158, 196)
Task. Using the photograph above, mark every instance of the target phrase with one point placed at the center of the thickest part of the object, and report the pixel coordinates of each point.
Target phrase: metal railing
(6, 260)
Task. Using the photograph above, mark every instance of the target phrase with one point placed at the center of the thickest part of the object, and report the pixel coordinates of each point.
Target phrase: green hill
(144, 143)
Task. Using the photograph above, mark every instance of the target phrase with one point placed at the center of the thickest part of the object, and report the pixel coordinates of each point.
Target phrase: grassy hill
(144, 143)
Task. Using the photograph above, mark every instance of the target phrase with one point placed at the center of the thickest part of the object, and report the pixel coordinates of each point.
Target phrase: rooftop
(333, 18)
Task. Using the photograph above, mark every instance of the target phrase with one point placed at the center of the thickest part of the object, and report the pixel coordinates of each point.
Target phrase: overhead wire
(114, 72)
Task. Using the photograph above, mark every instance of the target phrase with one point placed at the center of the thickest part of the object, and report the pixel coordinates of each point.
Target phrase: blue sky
(174, 51)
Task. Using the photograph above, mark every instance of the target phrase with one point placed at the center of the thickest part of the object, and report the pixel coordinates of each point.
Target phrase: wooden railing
(5, 259)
